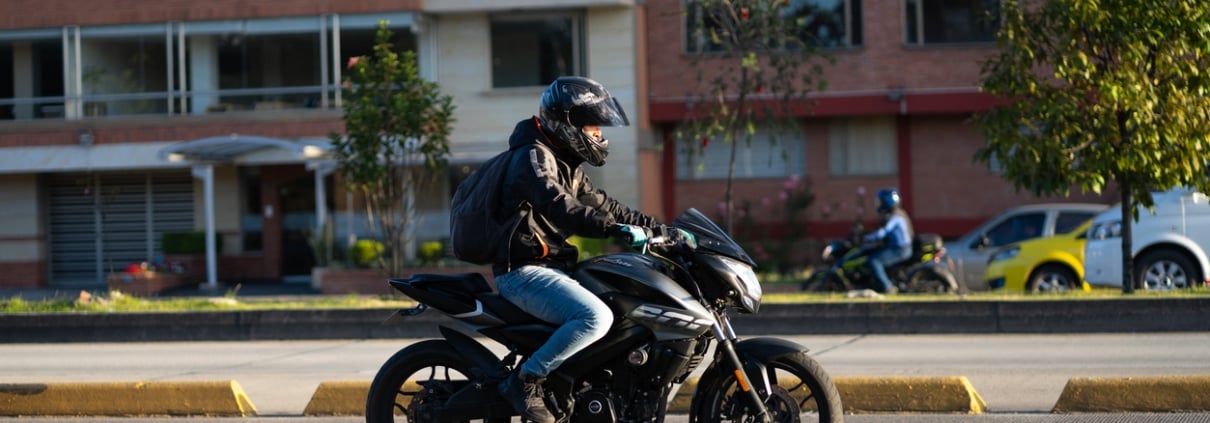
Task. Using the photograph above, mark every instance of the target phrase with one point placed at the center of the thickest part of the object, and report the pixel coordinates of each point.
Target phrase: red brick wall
(292, 124)
(29, 274)
(34, 13)
(882, 62)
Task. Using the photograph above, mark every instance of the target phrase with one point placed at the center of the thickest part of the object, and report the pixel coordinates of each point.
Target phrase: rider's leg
(878, 262)
(555, 297)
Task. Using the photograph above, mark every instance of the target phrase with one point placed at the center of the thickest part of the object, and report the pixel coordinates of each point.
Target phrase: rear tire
(931, 280)
(396, 394)
(1166, 270)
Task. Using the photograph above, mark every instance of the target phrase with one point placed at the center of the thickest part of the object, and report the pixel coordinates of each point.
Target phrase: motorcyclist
(893, 241)
(534, 272)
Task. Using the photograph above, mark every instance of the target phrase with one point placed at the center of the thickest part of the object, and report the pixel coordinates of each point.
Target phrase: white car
(971, 251)
(1168, 246)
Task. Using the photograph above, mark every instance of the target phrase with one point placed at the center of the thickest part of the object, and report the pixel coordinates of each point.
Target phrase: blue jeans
(555, 297)
(882, 258)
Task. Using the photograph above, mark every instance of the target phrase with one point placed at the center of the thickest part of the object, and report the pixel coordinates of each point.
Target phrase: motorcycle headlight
(749, 287)
(1005, 254)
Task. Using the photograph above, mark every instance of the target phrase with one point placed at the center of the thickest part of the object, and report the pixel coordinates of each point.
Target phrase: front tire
(802, 392)
(1053, 278)
(396, 393)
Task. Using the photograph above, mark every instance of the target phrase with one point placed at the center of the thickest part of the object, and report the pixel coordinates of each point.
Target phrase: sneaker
(525, 394)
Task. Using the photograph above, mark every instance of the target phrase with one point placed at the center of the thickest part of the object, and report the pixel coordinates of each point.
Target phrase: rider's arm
(540, 185)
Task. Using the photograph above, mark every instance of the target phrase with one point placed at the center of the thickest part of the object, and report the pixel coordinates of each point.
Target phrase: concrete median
(1135, 394)
(124, 399)
(952, 394)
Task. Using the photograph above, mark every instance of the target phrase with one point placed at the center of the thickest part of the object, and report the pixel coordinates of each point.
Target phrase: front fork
(726, 347)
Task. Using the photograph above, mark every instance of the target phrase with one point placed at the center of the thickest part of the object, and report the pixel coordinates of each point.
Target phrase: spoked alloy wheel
(1053, 278)
(1165, 270)
(932, 282)
(802, 392)
(414, 383)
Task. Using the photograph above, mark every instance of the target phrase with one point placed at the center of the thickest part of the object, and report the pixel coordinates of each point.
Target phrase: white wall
(19, 206)
(486, 116)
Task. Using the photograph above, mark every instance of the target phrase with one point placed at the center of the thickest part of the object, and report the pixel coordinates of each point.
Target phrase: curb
(952, 394)
(121, 399)
(1135, 394)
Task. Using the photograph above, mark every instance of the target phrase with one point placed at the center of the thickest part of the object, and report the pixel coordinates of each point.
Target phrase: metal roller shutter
(101, 222)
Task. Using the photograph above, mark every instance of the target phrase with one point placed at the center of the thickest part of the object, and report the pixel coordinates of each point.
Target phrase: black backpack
(479, 223)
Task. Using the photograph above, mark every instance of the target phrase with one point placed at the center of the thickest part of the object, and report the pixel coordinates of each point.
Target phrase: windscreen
(711, 237)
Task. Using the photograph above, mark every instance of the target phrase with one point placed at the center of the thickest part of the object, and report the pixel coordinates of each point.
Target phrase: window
(762, 158)
(532, 50)
(193, 67)
(821, 23)
(951, 21)
(1069, 221)
(1017, 228)
(862, 146)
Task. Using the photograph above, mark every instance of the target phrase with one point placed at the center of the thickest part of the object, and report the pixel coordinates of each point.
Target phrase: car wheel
(1165, 270)
(1052, 278)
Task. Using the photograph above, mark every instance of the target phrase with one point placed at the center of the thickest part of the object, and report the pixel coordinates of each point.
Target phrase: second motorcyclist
(891, 243)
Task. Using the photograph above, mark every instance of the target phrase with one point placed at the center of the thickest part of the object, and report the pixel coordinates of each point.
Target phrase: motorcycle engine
(595, 407)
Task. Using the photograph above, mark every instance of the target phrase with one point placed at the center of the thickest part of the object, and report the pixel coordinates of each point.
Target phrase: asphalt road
(1020, 375)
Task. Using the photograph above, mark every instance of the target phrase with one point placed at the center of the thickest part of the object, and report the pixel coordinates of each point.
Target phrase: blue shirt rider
(894, 237)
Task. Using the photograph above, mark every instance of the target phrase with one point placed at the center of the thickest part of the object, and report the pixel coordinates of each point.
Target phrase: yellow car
(1051, 264)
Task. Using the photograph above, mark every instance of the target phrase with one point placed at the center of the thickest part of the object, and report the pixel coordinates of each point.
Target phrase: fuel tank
(639, 288)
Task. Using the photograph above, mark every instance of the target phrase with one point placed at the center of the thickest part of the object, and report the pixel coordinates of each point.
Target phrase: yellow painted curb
(951, 394)
(1135, 394)
(226, 399)
(943, 394)
(345, 398)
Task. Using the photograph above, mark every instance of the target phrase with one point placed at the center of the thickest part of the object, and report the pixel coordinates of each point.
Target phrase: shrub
(365, 252)
(431, 252)
(190, 242)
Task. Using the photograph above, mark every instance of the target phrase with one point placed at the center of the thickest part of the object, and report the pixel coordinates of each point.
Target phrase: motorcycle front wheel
(802, 392)
(413, 384)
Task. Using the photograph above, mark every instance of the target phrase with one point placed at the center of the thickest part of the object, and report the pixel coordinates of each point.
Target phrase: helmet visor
(603, 112)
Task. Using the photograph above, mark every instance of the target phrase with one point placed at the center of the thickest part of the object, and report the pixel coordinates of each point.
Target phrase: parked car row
(1071, 246)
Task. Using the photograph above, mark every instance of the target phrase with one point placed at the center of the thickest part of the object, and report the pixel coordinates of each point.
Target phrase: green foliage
(764, 68)
(431, 252)
(184, 243)
(366, 252)
(1101, 90)
(397, 127)
(776, 254)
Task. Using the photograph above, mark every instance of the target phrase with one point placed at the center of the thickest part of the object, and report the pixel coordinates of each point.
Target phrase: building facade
(897, 112)
(122, 121)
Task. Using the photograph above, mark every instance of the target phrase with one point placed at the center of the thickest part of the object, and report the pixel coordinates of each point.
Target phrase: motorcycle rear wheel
(802, 392)
(432, 364)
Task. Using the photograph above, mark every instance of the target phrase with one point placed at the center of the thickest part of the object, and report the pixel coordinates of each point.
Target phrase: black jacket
(561, 200)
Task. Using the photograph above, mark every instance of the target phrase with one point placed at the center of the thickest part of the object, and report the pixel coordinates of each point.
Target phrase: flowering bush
(789, 211)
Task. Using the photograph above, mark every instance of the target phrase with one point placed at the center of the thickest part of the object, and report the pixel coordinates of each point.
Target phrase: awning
(236, 148)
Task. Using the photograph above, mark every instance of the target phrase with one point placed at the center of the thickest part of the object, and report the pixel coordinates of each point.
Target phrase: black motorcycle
(847, 261)
(670, 301)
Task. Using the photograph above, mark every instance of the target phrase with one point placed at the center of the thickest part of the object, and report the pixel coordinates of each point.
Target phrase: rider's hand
(634, 236)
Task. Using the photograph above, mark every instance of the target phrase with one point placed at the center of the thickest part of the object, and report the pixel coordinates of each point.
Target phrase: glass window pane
(124, 70)
(762, 158)
(953, 21)
(31, 76)
(863, 146)
(534, 50)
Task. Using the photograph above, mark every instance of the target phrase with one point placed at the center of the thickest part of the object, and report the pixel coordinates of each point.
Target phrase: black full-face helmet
(569, 104)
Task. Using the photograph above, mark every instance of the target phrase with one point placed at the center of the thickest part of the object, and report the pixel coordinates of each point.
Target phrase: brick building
(896, 113)
(124, 120)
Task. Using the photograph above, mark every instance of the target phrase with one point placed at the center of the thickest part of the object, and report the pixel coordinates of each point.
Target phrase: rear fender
(477, 355)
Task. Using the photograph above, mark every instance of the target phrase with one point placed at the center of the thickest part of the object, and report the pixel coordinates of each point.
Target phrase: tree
(1098, 92)
(396, 140)
(755, 68)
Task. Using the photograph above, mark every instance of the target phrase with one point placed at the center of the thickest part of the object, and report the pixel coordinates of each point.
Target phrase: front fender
(753, 353)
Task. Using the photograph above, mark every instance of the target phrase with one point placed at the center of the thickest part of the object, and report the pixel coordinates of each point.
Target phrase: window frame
(578, 42)
(914, 25)
(695, 43)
